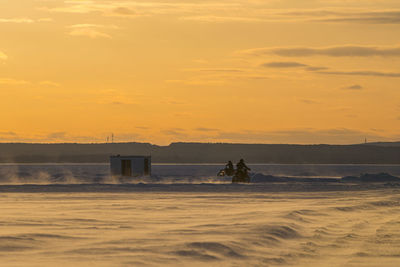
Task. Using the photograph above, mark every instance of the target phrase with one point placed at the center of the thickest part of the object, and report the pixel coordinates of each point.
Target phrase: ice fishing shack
(131, 166)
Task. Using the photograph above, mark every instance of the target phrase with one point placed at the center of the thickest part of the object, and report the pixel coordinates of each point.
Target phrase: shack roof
(129, 156)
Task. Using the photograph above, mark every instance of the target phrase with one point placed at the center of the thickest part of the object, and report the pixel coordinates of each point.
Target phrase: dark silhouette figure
(242, 166)
(229, 170)
(241, 174)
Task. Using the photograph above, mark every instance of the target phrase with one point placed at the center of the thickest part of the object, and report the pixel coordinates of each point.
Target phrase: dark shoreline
(373, 153)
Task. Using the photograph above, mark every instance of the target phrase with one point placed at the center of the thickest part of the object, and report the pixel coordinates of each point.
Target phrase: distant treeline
(376, 153)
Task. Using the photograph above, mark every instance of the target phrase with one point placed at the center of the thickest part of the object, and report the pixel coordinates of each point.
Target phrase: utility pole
(112, 137)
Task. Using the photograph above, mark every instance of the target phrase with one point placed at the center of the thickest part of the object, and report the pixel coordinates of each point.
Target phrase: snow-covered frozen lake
(48, 218)
(201, 229)
(177, 173)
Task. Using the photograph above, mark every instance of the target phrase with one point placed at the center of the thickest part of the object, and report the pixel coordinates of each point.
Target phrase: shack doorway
(146, 169)
(126, 169)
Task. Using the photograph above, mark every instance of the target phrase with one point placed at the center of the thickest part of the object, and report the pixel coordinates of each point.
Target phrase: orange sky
(272, 71)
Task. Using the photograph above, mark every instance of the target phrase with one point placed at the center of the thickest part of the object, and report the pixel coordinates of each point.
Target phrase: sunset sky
(242, 71)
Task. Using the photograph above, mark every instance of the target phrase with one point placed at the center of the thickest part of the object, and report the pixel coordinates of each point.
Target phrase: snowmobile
(241, 176)
(226, 172)
(238, 176)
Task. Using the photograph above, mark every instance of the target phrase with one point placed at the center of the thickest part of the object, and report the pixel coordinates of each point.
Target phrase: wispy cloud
(217, 70)
(340, 15)
(89, 33)
(203, 129)
(172, 101)
(353, 87)
(343, 15)
(284, 65)
(90, 30)
(232, 11)
(57, 136)
(175, 132)
(309, 101)
(63, 136)
(138, 8)
(198, 81)
(16, 20)
(9, 81)
(24, 20)
(326, 71)
(45, 20)
(222, 19)
(362, 73)
(371, 17)
(333, 51)
(124, 11)
(8, 133)
(50, 83)
(292, 65)
(89, 25)
(316, 68)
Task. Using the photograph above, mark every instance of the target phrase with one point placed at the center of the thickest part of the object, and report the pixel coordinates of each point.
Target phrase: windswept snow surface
(61, 222)
(173, 173)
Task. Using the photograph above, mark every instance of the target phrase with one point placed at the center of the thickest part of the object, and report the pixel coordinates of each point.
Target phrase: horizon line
(148, 143)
